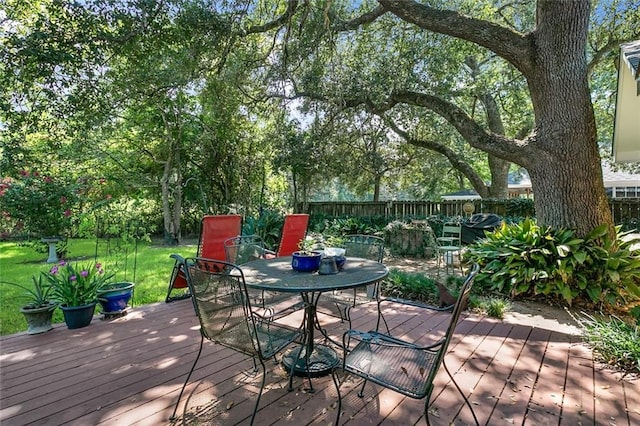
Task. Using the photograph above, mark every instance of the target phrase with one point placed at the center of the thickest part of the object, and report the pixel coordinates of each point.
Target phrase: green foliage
(39, 295)
(518, 207)
(496, 307)
(347, 225)
(411, 286)
(267, 226)
(77, 285)
(524, 260)
(38, 204)
(635, 313)
(616, 342)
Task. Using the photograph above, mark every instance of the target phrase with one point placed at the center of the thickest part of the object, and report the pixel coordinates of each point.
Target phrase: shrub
(410, 285)
(39, 204)
(525, 260)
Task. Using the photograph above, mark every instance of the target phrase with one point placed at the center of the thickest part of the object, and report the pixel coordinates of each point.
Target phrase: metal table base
(322, 359)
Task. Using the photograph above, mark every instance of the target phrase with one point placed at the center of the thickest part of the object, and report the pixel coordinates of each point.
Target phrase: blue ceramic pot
(115, 297)
(304, 262)
(340, 261)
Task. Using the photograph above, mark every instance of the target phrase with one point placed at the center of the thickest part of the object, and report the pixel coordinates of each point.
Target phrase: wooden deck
(129, 371)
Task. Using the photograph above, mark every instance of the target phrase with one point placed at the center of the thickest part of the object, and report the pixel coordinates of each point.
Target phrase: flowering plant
(75, 285)
(38, 203)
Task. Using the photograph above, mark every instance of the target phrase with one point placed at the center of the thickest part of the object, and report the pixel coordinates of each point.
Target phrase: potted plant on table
(307, 259)
(75, 288)
(39, 308)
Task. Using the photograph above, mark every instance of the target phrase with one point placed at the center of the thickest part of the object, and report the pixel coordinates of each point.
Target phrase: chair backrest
(364, 246)
(460, 305)
(215, 229)
(222, 305)
(293, 230)
(244, 248)
(452, 233)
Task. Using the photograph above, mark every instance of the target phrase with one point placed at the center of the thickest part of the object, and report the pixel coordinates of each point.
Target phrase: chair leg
(336, 382)
(380, 316)
(361, 393)
(173, 416)
(264, 379)
(175, 274)
(466, 401)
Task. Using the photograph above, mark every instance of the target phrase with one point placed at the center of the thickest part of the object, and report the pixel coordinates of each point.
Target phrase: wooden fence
(623, 209)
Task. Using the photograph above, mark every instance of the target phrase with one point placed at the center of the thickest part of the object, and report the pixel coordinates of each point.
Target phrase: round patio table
(278, 275)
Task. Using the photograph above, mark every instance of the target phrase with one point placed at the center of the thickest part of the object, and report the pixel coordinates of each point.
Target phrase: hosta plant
(524, 260)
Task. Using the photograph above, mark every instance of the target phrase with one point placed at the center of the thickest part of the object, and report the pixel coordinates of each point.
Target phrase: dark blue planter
(306, 262)
(115, 297)
(78, 316)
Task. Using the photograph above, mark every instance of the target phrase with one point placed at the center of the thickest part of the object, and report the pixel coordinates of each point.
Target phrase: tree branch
(292, 5)
(510, 45)
(458, 163)
(365, 18)
(492, 143)
(599, 54)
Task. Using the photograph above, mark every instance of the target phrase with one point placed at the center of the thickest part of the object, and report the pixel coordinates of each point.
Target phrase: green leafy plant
(496, 307)
(268, 226)
(39, 296)
(524, 260)
(411, 286)
(616, 342)
(309, 243)
(77, 285)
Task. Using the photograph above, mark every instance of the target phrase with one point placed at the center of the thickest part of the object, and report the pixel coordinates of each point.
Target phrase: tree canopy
(206, 106)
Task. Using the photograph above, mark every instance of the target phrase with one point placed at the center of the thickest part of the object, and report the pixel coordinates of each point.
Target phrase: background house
(617, 184)
(626, 131)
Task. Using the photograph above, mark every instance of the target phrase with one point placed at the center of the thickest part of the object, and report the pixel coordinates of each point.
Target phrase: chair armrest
(180, 261)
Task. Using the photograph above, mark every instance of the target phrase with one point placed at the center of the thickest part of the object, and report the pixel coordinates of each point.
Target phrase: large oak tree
(561, 152)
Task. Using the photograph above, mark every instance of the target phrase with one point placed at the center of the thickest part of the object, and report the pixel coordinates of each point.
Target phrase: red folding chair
(214, 231)
(293, 230)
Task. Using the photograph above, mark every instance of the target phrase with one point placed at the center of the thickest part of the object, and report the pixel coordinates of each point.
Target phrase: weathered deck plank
(129, 372)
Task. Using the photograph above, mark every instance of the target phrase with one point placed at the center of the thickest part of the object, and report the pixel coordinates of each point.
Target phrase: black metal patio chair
(402, 366)
(242, 249)
(227, 317)
(339, 303)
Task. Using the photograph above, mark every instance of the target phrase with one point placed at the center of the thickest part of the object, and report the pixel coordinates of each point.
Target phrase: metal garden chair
(214, 230)
(227, 317)
(242, 249)
(402, 366)
(339, 303)
(449, 246)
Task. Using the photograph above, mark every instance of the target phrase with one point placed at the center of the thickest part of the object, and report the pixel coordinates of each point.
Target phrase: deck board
(129, 371)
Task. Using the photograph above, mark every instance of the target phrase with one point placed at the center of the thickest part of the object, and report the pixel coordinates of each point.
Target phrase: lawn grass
(151, 263)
